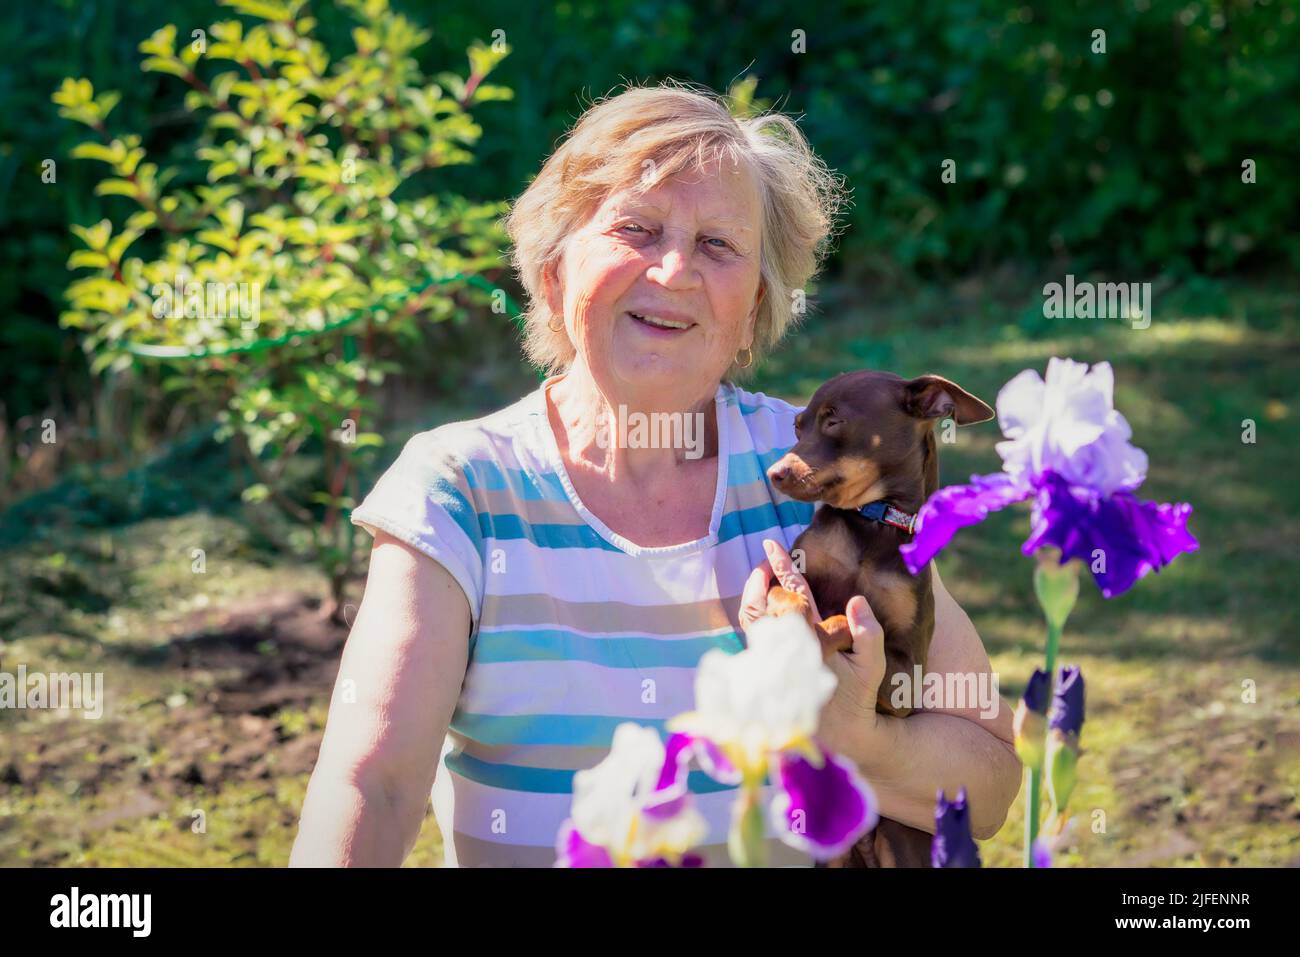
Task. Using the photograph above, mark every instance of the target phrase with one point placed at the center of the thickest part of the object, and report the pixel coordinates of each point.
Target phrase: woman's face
(660, 290)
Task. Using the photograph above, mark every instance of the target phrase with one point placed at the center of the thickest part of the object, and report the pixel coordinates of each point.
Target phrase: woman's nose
(674, 269)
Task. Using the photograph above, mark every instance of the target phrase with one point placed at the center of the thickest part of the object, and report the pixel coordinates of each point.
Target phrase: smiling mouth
(658, 322)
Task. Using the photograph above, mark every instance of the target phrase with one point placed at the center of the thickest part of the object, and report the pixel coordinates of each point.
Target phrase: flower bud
(1030, 720)
(1056, 585)
(1062, 760)
(1067, 702)
(1065, 724)
(953, 845)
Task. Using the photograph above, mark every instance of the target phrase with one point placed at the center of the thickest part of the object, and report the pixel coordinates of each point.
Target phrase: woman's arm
(907, 760)
(397, 687)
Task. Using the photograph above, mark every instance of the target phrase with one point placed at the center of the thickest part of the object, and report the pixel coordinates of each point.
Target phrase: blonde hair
(675, 126)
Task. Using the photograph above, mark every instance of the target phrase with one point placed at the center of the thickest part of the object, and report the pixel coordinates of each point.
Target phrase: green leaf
(214, 237)
(483, 59)
(96, 237)
(121, 242)
(86, 258)
(161, 43)
(489, 92)
(117, 187)
(74, 93)
(157, 64)
(98, 151)
(141, 219)
(256, 493)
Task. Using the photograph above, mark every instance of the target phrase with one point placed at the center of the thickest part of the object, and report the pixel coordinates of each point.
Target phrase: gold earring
(553, 327)
(749, 358)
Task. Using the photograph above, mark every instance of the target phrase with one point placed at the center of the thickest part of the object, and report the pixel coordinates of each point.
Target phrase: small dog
(866, 450)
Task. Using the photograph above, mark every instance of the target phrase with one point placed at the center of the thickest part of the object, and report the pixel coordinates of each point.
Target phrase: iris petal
(822, 811)
(574, 851)
(1130, 536)
(955, 507)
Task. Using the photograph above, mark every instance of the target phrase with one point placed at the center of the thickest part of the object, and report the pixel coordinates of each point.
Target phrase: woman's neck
(628, 440)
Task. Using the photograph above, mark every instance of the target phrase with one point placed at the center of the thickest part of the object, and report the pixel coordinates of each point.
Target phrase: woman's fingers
(784, 571)
(753, 600)
(867, 659)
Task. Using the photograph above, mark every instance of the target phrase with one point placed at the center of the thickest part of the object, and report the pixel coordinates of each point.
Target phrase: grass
(1192, 745)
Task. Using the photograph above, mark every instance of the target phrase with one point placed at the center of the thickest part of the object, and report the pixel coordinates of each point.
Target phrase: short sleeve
(425, 499)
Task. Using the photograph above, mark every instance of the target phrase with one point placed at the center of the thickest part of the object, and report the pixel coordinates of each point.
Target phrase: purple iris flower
(1068, 449)
(1036, 692)
(953, 845)
(1067, 705)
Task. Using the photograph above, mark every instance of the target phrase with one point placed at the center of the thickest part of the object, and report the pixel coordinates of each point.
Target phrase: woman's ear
(753, 314)
(552, 289)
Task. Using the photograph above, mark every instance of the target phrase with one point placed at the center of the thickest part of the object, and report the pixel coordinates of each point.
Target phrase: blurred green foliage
(1128, 160)
(297, 224)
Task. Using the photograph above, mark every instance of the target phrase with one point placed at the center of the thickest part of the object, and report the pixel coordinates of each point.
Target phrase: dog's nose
(779, 474)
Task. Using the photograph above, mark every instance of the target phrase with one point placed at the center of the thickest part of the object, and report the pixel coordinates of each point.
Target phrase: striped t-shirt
(575, 628)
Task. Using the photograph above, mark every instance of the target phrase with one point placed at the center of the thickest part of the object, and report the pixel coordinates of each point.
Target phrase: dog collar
(886, 514)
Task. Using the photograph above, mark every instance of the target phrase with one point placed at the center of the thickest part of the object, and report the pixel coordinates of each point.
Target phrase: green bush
(1127, 161)
(278, 274)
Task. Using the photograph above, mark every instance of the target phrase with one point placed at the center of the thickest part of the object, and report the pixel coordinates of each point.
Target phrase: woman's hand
(859, 672)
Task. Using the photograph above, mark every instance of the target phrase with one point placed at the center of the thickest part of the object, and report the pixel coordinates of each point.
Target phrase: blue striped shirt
(575, 628)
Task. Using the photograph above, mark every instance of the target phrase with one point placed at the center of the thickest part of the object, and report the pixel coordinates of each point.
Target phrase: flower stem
(745, 843)
(1036, 774)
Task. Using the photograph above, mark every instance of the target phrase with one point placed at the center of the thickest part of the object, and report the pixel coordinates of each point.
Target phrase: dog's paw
(834, 634)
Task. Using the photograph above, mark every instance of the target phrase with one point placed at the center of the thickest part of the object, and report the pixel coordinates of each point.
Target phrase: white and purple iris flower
(1068, 449)
(755, 715)
(632, 809)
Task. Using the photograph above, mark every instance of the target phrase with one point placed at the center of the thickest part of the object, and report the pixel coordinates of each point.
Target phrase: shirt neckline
(621, 542)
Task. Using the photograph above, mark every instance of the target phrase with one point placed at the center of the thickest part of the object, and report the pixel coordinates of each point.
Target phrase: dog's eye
(831, 426)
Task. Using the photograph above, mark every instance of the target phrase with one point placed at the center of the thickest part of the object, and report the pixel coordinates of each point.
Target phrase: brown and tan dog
(866, 450)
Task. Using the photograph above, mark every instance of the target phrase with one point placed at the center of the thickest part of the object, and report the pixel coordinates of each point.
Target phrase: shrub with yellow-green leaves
(271, 272)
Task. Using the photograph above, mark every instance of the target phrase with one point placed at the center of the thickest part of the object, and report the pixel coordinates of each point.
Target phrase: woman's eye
(723, 243)
(637, 226)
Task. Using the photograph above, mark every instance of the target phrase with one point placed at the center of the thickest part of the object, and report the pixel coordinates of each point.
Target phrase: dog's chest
(841, 560)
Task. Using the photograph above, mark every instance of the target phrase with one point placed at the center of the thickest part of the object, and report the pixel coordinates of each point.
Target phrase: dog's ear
(934, 397)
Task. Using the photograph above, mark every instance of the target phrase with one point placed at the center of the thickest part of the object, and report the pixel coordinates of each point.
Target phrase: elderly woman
(540, 575)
